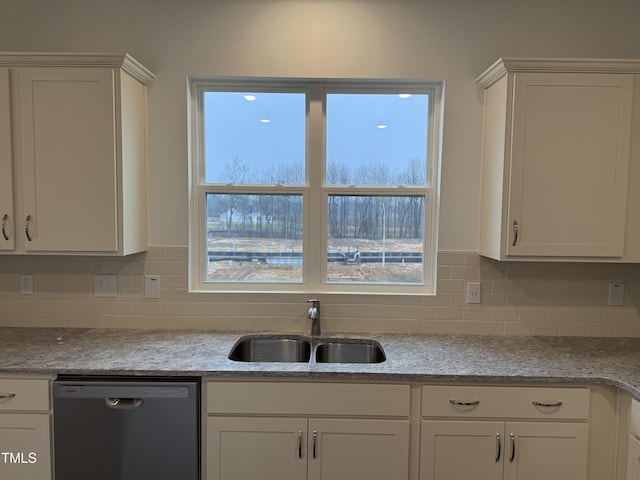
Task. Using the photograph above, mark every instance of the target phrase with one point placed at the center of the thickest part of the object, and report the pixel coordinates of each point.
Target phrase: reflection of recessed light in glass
(250, 98)
(404, 95)
(381, 126)
(265, 120)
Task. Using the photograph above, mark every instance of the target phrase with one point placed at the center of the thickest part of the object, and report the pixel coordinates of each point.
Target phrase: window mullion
(315, 221)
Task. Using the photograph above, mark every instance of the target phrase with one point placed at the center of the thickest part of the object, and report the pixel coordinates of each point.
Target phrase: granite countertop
(423, 358)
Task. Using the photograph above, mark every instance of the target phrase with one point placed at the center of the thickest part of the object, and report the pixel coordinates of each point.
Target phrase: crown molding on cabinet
(46, 59)
(565, 65)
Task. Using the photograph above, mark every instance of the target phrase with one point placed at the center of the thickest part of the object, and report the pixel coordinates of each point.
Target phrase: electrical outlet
(26, 284)
(151, 286)
(616, 294)
(105, 285)
(473, 292)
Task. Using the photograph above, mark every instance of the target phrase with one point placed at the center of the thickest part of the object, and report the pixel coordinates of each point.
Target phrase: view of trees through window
(254, 237)
(373, 191)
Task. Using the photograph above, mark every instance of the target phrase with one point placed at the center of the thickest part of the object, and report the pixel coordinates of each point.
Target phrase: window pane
(254, 238)
(375, 239)
(254, 138)
(376, 139)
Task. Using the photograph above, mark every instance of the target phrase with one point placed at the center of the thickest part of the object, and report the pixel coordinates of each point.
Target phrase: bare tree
(235, 172)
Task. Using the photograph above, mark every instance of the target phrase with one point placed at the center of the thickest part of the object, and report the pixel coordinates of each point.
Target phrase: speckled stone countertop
(421, 358)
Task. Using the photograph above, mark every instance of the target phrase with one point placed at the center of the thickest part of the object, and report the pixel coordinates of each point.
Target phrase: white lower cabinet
(268, 448)
(25, 429)
(331, 449)
(456, 449)
(25, 446)
(504, 433)
(633, 459)
(299, 431)
(633, 451)
(344, 449)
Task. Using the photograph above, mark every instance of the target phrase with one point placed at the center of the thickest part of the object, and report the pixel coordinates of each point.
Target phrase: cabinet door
(569, 165)
(66, 158)
(633, 459)
(346, 449)
(455, 450)
(7, 232)
(25, 446)
(546, 450)
(264, 448)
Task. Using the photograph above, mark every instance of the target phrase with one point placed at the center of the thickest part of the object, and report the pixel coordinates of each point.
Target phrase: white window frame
(315, 192)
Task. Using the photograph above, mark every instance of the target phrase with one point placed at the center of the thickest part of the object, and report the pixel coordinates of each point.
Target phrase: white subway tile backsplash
(572, 329)
(435, 328)
(516, 299)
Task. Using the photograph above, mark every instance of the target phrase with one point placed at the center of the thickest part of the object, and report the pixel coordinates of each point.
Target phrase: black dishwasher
(115, 428)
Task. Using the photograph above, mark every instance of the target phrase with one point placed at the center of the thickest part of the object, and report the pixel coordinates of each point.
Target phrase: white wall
(451, 39)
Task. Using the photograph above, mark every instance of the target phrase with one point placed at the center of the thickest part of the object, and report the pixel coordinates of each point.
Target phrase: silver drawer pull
(4, 396)
(458, 403)
(315, 443)
(548, 405)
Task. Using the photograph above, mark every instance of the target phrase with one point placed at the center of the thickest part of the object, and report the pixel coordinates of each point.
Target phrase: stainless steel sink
(271, 348)
(349, 351)
(297, 348)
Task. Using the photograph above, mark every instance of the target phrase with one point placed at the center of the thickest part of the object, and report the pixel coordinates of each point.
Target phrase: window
(314, 186)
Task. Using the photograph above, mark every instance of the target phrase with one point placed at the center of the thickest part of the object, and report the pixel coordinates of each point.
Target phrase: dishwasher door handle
(123, 403)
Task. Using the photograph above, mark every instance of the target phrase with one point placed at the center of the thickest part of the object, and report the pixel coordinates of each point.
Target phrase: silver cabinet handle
(4, 226)
(458, 403)
(299, 443)
(515, 233)
(123, 403)
(315, 441)
(513, 447)
(548, 405)
(4, 396)
(498, 447)
(26, 227)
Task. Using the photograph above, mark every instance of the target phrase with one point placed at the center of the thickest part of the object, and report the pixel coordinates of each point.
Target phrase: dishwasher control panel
(115, 389)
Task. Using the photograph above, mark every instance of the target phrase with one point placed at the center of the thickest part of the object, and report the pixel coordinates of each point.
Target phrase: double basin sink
(296, 348)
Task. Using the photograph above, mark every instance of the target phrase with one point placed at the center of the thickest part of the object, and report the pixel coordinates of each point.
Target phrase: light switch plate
(105, 285)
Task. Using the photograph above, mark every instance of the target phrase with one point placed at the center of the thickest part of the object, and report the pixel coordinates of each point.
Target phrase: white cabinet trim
(63, 59)
(549, 65)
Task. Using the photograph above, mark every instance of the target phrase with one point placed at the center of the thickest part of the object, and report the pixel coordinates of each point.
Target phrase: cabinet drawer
(24, 394)
(290, 398)
(505, 402)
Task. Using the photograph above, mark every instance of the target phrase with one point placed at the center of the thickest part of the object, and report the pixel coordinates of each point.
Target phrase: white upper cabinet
(7, 235)
(79, 153)
(558, 161)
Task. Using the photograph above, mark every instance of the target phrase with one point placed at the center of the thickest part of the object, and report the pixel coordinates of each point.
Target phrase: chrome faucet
(314, 316)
